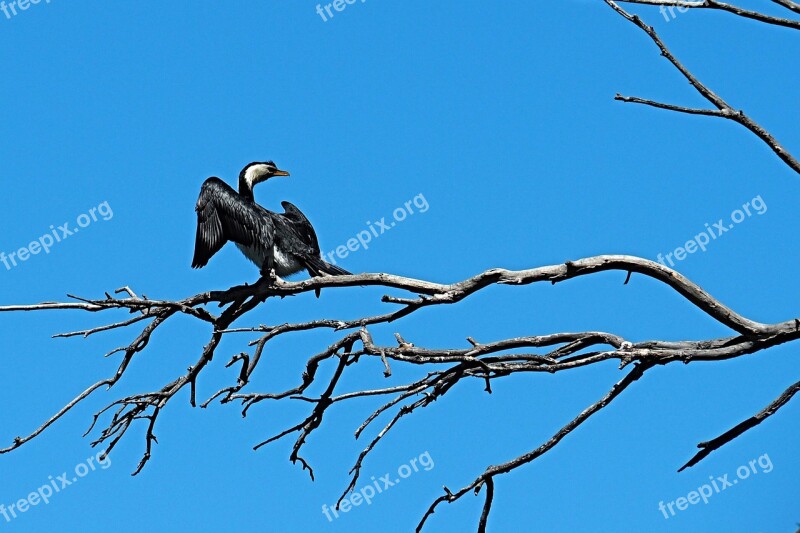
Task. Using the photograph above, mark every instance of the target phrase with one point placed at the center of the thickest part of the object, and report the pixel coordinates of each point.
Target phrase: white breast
(256, 254)
(285, 264)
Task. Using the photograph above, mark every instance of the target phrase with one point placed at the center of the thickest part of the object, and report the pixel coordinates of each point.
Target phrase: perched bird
(284, 242)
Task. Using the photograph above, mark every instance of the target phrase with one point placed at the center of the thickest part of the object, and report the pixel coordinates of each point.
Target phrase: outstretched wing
(301, 225)
(305, 242)
(222, 216)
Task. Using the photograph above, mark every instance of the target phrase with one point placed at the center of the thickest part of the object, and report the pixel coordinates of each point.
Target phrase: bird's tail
(318, 266)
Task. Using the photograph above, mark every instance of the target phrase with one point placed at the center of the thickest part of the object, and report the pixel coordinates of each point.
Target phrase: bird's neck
(245, 187)
(246, 192)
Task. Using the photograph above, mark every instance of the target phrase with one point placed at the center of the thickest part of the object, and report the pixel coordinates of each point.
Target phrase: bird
(284, 242)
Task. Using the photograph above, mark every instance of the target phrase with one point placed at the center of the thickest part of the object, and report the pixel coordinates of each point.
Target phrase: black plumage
(224, 215)
(302, 228)
(285, 242)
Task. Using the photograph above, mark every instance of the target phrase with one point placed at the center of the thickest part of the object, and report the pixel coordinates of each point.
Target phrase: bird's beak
(281, 173)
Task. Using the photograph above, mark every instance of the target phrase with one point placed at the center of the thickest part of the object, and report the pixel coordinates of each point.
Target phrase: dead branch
(707, 447)
(723, 109)
(728, 8)
(487, 362)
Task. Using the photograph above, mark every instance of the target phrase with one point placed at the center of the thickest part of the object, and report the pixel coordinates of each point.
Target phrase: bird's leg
(269, 277)
(268, 270)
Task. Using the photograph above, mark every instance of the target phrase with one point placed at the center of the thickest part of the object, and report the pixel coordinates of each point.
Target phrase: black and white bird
(285, 242)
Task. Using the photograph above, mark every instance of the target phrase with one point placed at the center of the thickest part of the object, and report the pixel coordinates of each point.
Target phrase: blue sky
(503, 119)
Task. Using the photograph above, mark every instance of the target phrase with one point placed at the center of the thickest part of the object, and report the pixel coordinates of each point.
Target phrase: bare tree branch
(789, 4)
(492, 471)
(724, 110)
(729, 8)
(487, 506)
(707, 447)
(670, 107)
(487, 362)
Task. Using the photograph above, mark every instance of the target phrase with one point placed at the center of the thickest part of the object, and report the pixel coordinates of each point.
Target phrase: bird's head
(258, 172)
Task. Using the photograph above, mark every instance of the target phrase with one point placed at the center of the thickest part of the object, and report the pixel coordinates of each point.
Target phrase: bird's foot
(268, 276)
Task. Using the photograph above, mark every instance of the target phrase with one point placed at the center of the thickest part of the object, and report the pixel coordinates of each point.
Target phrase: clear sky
(501, 117)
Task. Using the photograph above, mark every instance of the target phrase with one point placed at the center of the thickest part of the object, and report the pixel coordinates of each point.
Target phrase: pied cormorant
(285, 242)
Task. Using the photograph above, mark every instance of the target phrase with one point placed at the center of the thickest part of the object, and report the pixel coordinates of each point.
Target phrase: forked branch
(721, 108)
(441, 369)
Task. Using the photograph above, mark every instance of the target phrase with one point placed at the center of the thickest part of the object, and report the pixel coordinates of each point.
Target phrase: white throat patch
(253, 174)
